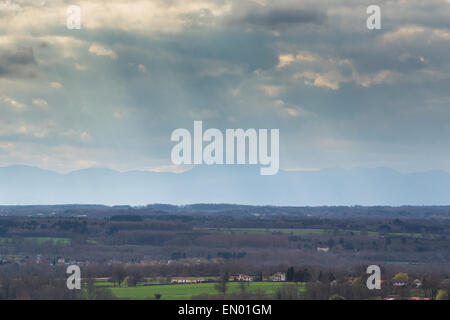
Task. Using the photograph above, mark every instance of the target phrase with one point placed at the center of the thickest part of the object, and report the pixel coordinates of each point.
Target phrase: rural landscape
(183, 156)
(208, 251)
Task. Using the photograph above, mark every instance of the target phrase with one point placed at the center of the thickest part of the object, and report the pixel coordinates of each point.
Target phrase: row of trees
(45, 287)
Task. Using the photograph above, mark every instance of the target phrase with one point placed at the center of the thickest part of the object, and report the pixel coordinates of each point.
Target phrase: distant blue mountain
(224, 184)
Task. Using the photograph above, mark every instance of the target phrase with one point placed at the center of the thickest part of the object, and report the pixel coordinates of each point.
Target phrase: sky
(110, 94)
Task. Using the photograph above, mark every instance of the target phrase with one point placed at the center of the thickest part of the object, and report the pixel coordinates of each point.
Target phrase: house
(241, 277)
(279, 276)
(187, 280)
(350, 280)
(325, 249)
(417, 283)
(445, 283)
(181, 280)
(398, 283)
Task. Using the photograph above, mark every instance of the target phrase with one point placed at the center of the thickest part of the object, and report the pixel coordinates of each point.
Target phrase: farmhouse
(279, 276)
(61, 261)
(241, 277)
(398, 283)
(187, 280)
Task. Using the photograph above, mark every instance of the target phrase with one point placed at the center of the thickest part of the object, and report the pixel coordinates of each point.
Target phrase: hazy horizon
(224, 184)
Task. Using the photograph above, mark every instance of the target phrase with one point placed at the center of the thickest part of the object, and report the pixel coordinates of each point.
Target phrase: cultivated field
(308, 232)
(187, 291)
(40, 240)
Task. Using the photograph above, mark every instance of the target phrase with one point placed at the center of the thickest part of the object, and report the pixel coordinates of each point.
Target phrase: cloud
(442, 33)
(101, 51)
(43, 104)
(80, 67)
(12, 103)
(56, 85)
(62, 158)
(150, 16)
(18, 63)
(291, 110)
(142, 68)
(78, 136)
(85, 136)
(23, 128)
(271, 90)
(285, 59)
(327, 80)
(273, 17)
(403, 33)
(234, 63)
(413, 32)
(7, 7)
(305, 57)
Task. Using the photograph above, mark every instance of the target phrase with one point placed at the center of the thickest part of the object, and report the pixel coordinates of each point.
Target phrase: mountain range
(24, 185)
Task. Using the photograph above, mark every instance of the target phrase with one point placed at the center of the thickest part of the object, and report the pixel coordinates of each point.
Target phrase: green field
(148, 281)
(294, 232)
(187, 291)
(103, 283)
(306, 232)
(40, 240)
(56, 241)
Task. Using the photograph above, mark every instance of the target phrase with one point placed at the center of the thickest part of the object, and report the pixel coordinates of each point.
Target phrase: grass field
(294, 232)
(40, 240)
(187, 291)
(56, 241)
(306, 232)
(148, 281)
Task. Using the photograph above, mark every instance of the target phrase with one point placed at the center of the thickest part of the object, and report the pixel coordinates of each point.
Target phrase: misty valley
(153, 251)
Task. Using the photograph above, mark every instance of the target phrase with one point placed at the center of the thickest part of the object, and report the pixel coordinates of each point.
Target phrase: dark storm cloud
(283, 16)
(19, 63)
